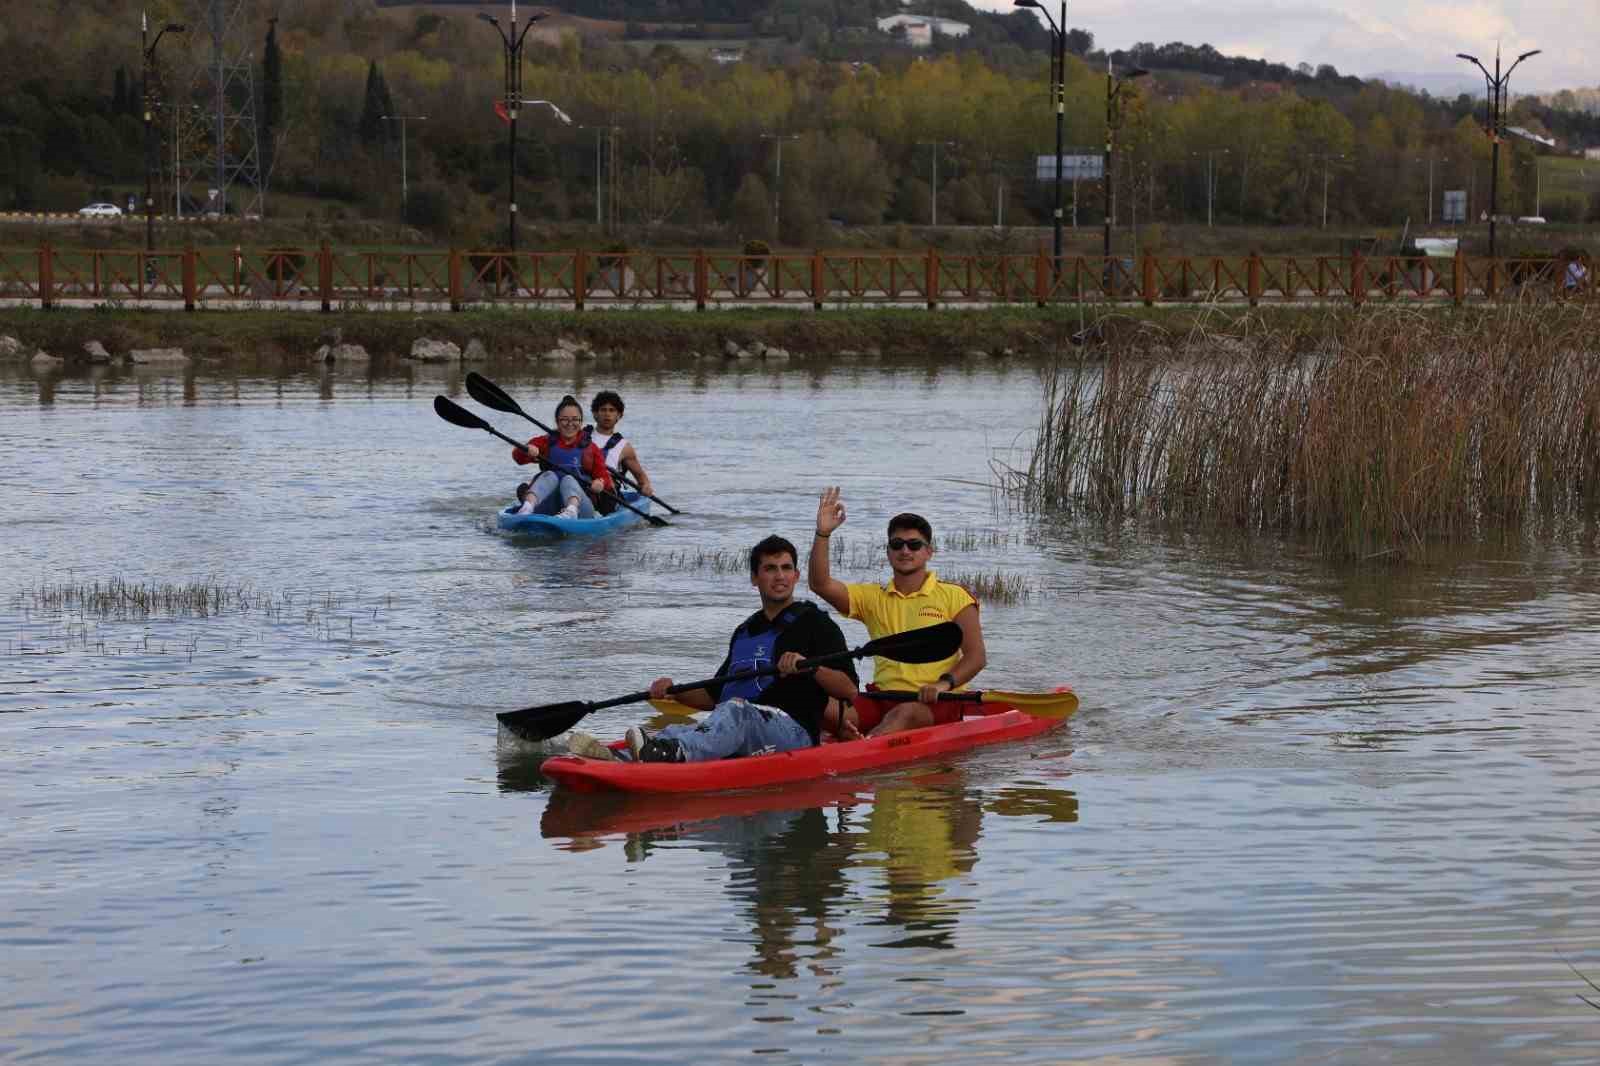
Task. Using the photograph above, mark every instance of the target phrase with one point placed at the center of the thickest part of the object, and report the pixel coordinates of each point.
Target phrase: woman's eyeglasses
(915, 544)
(569, 421)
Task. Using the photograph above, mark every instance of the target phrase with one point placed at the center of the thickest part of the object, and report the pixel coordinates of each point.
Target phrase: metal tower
(223, 153)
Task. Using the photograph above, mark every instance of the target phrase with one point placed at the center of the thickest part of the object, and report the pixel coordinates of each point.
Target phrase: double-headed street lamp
(405, 189)
(149, 48)
(1494, 122)
(513, 98)
(1114, 88)
(1058, 90)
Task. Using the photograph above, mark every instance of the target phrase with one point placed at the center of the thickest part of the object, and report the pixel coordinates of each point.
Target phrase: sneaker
(569, 511)
(662, 749)
(636, 740)
(589, 747)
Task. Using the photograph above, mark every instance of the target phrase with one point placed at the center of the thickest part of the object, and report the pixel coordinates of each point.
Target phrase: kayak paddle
(489, 394)
(1038, 704)
(926, 645)
(455, 414)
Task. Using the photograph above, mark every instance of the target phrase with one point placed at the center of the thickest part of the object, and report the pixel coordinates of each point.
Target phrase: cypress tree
(271, 98)
(378, 103)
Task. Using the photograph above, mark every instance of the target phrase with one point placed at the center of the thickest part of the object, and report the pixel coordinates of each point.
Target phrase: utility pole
(599, 218)
(405, 192)
(777, 186)
(1326, 157)
(1211, 178)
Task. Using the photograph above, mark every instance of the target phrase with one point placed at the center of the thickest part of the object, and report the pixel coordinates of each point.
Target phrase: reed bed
(1395, 430)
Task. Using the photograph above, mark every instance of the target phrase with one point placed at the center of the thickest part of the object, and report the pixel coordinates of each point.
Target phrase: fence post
(1147, 279)
(1041, 279)
(701, 284)
(189, 268)
(1358, 280)
(325, 276)
(97, 276)
(1458, 278)
(817, 275)
(931, 281)
(1252, 273)
(47, 277)
(580, 278)
(454, 279)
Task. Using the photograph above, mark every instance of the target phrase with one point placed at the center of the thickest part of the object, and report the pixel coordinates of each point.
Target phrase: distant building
(919, 29)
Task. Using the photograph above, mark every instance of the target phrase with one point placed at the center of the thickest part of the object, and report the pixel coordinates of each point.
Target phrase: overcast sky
(1364, 37)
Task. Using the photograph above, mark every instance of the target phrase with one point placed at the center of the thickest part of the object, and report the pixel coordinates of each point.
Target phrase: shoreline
(66, 337)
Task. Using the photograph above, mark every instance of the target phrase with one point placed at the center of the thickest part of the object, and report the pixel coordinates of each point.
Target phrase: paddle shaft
(492, 395)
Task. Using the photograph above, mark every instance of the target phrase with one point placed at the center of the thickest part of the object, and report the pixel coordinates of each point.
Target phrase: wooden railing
(329, 279)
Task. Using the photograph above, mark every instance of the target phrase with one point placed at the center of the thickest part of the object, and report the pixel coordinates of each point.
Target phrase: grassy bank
(671, 335)
(1376, 437)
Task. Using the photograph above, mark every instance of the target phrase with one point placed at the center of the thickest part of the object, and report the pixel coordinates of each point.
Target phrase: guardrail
(326, 278)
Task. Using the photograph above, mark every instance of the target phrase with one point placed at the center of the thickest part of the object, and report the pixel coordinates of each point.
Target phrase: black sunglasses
(916, 544)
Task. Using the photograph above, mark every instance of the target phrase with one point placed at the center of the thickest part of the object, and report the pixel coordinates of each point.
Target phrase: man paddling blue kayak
(762, 714)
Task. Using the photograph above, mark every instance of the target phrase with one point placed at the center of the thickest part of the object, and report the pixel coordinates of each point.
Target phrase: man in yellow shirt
(913, 598)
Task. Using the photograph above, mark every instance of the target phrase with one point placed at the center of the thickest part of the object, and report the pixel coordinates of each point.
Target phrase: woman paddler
(572, 464)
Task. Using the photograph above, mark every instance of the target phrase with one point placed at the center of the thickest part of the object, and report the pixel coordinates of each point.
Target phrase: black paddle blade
(926, 645)
(489, 394)
(542, 723)
(455, 414)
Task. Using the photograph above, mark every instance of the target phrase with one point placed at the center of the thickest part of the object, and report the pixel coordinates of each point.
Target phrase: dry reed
(1409, 426)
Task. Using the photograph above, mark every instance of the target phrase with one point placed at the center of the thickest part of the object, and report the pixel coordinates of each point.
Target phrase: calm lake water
(1307, 812)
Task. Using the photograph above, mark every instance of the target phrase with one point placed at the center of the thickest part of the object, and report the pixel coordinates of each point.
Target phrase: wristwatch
(947, 676)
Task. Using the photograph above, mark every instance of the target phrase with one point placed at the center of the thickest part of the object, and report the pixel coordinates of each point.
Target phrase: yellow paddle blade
(1038, 704)
(673, 707)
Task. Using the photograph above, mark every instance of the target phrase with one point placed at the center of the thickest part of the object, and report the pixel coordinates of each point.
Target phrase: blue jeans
(549, 493)
(738, 727)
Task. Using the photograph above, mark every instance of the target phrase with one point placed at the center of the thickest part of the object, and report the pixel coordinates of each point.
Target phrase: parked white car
(101, 211)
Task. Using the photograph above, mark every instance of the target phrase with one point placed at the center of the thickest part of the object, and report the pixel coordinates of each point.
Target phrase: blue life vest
(756, 652)
(567, 460)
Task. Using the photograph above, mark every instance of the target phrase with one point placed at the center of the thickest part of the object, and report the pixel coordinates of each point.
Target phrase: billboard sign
(1075, 167)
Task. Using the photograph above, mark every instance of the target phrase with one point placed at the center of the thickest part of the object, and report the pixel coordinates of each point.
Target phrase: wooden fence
(325, 278)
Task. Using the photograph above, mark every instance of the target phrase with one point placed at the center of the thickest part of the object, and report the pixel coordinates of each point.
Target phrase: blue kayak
(546, 525)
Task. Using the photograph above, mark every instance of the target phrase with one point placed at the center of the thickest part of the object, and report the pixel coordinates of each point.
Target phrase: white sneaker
(636, 741)
(589, 747)
(569, 511)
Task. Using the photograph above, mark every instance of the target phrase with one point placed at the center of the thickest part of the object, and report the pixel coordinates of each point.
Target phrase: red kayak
(985, 723)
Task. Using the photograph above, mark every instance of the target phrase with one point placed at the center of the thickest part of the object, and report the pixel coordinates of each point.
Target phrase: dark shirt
(799, 696)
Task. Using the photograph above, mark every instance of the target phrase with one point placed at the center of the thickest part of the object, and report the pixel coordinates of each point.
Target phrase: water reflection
(807, 861)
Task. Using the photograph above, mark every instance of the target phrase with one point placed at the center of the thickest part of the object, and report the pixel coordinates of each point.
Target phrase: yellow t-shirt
(885, 610)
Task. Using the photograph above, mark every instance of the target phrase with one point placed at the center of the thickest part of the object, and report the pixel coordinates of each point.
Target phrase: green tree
(751, 211)
(377, 103)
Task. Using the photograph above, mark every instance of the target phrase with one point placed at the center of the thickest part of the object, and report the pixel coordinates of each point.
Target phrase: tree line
(664, 136)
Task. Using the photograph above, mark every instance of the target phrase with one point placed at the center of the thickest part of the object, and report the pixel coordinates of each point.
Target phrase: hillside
(666, 135)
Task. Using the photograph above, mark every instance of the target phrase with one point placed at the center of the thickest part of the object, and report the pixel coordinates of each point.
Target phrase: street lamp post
(1326, 157)
(1495, 87)
(777, 180)
(1114, 88)
(1211, 177)
(599, 131)
(1430, 161)
(405, 188)
(1058, 90)
(513, 96)
(934, 195)
(149, 48)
